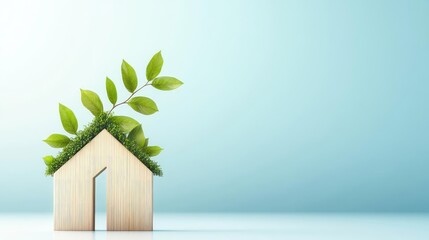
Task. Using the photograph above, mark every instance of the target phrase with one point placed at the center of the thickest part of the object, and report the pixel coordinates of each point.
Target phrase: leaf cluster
(127, 130)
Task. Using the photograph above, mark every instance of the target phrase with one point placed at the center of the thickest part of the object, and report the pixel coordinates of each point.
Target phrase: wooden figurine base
(129, 188)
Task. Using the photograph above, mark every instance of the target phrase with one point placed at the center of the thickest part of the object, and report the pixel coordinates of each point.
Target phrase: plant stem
(132, 94)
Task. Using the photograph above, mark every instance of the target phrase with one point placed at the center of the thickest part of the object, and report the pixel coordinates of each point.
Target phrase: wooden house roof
(103, 122)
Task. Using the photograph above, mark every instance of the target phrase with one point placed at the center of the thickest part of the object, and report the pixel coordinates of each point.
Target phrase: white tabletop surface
(234, 226)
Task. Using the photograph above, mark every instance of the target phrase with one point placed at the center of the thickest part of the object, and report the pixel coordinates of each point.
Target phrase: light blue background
(287, 105)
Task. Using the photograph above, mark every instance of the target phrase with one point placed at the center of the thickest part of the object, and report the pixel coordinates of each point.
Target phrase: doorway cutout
(100, 199)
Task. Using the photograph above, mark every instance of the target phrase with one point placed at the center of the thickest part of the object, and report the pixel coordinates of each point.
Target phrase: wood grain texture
(129, 188)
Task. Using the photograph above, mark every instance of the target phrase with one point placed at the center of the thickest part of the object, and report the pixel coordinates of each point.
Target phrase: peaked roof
(91, 131)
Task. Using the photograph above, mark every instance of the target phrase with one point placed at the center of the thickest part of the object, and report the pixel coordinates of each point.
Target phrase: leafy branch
(126, 100)
(130, 127)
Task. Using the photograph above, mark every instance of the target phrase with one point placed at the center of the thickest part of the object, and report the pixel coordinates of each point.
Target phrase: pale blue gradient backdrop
(287, 105)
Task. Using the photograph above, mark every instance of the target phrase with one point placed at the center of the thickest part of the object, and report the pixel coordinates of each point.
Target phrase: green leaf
(153, 150)
(146, 142)
(129, 76)
(154, 67)
(48, 160)
(137, 135)
(125, 123)
(111, 91)
(91, 101)
(57, 140)
(68, 119)
(143, 105)
(166, 83)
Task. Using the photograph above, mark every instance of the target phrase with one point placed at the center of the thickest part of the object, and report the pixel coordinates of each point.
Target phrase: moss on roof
(91, 131)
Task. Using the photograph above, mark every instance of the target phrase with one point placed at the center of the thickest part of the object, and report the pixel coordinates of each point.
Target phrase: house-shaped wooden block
(129, 188)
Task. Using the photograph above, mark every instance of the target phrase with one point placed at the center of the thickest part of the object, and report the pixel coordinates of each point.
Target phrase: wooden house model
(129, 188)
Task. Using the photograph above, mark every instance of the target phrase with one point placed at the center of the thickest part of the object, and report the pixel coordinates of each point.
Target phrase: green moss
(88, 133)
